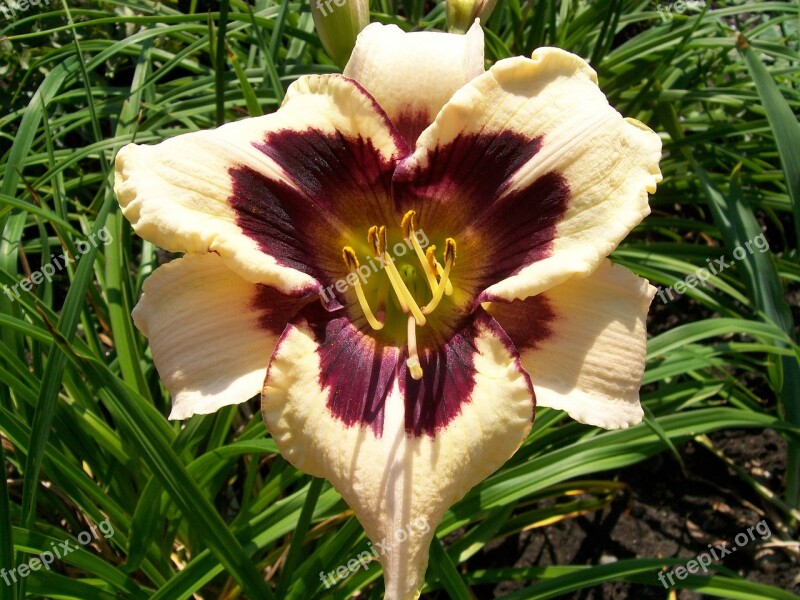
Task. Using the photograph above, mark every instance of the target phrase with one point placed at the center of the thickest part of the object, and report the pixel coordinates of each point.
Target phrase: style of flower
(414, 385)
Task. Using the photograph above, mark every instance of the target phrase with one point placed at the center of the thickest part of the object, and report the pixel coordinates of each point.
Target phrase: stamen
(405, 297)
(430, 257)
(409, 227)
(448, 290)
(407, 224)
(351, 260)
(449, 259)
(412, 362)
(437, 268)
(382, 243)
(449, 252)
(372, 239)
(377, 241)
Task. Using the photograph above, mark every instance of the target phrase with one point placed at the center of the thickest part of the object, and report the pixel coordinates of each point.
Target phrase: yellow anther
(372, 239)
(430, 257)
(449, 259)
(449, 251)
(351, 260)
(382, 244)
(407, 224)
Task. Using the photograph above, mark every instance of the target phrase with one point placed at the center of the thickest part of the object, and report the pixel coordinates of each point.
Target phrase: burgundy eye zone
(345, 184)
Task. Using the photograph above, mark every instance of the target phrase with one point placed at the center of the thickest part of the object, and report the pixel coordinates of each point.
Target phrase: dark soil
(670, 514)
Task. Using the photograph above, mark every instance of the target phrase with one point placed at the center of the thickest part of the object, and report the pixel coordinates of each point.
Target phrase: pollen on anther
(407, 224)
(449, 251)
(372, 239)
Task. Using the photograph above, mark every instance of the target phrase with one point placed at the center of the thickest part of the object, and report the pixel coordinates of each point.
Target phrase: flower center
(436, 276)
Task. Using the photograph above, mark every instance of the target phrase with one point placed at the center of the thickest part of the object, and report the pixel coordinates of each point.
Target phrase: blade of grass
(54, 370)
(219, 63)
(298, 538)
(6, 542)
(171, 473)
(445, 569)
(782, 121)
(739, 226)
(250, 98)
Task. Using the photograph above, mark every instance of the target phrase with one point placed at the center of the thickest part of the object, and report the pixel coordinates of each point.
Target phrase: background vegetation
(209, 509)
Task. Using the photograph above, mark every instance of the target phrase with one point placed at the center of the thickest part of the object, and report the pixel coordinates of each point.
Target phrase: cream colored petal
(412, 75)
(583, 343)
(252, 190)
(211, 333)
(534, 145)
(399, 484)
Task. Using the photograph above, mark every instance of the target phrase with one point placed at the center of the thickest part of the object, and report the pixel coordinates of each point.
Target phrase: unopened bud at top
(461, 14)
(338, 23)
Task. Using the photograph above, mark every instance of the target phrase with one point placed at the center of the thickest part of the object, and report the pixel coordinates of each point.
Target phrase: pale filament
(402, 291)
(397, 281)
(351, 261)
(450, 256)
(434, 264)
(409, 231)
(448, 288)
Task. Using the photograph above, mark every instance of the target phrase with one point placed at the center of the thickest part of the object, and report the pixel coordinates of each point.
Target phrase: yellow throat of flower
(438, 279)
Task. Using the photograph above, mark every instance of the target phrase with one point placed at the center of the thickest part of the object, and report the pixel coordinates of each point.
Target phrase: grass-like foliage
(209, 508)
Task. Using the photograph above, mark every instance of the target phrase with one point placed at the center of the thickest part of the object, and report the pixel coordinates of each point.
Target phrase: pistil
(412, 362)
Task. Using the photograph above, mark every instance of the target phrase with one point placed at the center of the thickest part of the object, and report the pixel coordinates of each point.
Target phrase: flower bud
(461, 14)
(338, 23)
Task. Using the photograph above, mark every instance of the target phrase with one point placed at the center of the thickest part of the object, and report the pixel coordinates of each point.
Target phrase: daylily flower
(416, 383)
